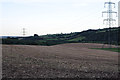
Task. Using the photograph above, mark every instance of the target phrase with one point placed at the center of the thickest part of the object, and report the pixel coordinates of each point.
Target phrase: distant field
(74, 60)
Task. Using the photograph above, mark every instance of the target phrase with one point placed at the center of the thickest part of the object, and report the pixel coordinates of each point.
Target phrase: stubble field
(75, 60)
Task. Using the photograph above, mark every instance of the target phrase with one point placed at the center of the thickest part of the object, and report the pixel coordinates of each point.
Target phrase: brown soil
(75, 60)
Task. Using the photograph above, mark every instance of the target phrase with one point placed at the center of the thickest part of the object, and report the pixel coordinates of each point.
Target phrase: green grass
(109, 49)
(77, 39)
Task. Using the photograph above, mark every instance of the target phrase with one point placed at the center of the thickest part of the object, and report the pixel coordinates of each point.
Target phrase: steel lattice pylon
(109, 20)
(23, 31)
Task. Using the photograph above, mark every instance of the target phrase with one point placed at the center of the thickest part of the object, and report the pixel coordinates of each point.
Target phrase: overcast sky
(50, 16)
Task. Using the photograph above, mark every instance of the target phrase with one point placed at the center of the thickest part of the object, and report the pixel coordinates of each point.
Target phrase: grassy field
(109, 49)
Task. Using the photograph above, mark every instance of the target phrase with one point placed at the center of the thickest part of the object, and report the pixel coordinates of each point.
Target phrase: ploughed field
(75, 60)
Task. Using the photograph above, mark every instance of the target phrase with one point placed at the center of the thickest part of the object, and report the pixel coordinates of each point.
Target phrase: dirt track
(65, 60)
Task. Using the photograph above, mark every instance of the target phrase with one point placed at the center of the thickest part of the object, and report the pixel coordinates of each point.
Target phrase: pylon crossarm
(112, 12)
(109, 12)
(109, 3)
(105, 12)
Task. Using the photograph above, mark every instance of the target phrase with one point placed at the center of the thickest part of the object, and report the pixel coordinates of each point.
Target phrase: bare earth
(75, 60)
